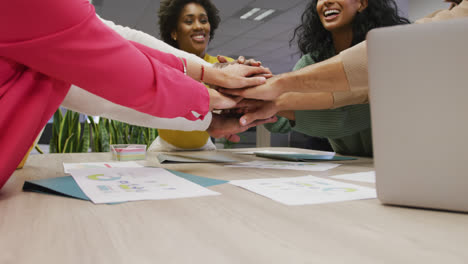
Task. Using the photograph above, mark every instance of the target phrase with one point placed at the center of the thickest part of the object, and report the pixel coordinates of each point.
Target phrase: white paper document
(360, 177)
(67, 167)
(114, 185)
(286, 165)
(265, 151)
(281, 152)
(306, 190)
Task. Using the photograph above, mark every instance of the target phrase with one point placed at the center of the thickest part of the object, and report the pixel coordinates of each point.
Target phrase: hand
(222, 101)
(240, 76)
(228, 127)
(223, 62)
(230, 76)
(241, 60)
(268, 91)
(251, 62)
(256, 110)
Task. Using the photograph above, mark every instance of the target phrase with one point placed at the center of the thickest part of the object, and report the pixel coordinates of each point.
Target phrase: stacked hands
(241, 98)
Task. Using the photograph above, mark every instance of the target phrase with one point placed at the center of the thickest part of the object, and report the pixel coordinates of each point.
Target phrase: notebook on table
(194, 157)
(302, 157)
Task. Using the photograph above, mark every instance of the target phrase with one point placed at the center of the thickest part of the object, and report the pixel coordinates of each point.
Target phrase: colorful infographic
(131, 184)
(306, 190)
(102, 177)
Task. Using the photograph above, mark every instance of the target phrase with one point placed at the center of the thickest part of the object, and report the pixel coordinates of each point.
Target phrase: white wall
(421, 8)
(403, 7)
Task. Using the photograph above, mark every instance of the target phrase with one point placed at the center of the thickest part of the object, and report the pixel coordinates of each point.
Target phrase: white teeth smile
(198, 37)
(331, 12)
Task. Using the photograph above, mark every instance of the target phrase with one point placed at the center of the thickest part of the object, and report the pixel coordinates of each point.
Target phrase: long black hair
(169, 13)
(313, 38)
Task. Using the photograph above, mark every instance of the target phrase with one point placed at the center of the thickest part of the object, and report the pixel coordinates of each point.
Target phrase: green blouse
(348, 128)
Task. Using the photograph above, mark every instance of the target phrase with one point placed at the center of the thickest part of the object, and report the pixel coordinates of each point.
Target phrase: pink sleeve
(171, 60)
(68, 42)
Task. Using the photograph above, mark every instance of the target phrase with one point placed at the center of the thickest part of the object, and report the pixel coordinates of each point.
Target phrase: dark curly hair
(313, 38)
(169, 13)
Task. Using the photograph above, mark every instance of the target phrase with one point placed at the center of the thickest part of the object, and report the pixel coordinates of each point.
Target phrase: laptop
(418, 79)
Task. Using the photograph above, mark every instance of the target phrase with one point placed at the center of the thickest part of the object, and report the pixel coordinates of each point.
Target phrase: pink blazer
(47, 45)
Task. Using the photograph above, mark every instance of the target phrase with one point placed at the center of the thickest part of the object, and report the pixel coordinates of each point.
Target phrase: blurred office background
(263, 37)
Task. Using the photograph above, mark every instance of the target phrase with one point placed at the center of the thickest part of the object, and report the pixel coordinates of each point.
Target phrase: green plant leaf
(95, 134)
(63, 133)
(53, 140)
(66, 144)
(116, 126)
(103, 137)
(112, 133)
(127, 133)
(145, 135)
(38, 149)
(84, 144)
(57, 121)
(134, 135)
(118, 132)
(77, 131)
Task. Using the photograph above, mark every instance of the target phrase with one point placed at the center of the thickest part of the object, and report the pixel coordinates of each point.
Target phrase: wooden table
(236, 227)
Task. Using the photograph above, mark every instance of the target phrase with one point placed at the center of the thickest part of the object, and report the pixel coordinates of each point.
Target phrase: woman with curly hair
(332, 83)
(342, 24)
(188, 25)
(329, 27)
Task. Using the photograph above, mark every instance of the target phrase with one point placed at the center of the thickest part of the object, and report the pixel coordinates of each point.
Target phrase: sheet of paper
(67, 167)
(360, 176)
(279, 152)
(66, 186)
(306, 190)
(132, 184)
(200, 157)
(285, 165)
(303, 157)
(265, 151)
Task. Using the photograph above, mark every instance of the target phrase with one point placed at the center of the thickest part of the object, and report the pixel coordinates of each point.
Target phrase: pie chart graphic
(102, 177)
(339, 189)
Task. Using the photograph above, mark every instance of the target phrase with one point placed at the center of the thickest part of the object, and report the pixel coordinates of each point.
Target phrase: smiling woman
(188, 25)
(193, 29)
(328, 28)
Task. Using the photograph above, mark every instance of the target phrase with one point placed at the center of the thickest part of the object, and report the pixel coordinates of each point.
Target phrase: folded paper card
(202, 157)
(302, 157)
(67, 187)
(62, 186)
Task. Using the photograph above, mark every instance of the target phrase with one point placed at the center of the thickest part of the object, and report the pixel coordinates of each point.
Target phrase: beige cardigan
(355, 61)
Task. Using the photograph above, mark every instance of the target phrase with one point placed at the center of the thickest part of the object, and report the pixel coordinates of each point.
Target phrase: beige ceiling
(267, 41)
